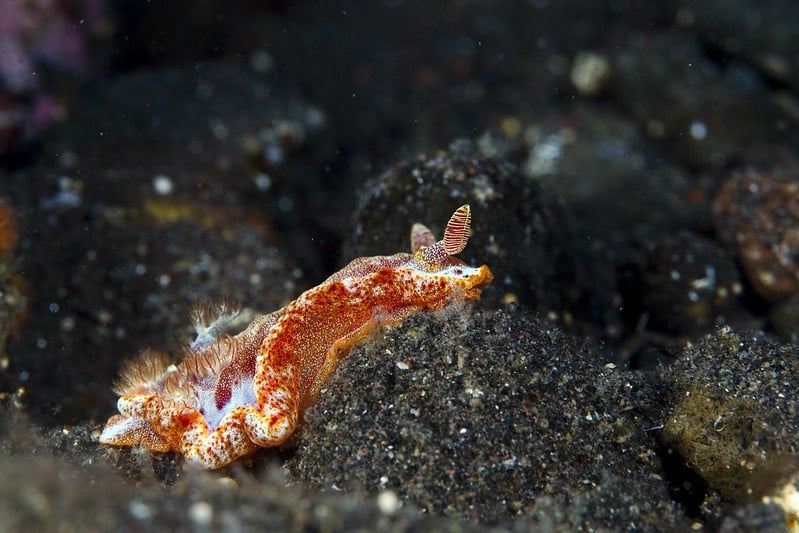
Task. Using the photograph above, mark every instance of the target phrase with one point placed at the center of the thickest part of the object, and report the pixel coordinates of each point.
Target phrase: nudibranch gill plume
(231, 395)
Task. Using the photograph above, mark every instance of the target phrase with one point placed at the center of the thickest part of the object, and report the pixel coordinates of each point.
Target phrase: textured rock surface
(757, 215)
(733, 412)
(480, 415)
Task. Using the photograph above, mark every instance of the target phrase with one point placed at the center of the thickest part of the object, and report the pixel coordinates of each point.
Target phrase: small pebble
(201, 513)
(388, 502)
(163, 185)
(589, 73)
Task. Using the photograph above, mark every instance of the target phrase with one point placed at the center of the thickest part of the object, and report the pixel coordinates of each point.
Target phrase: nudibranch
(231, 395)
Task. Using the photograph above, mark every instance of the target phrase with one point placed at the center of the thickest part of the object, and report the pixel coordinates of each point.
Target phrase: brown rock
(758, 215)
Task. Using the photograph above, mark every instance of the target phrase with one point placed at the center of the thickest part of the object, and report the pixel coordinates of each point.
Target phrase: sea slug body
(232, 395)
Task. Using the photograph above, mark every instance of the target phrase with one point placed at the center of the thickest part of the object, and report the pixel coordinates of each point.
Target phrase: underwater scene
(399, 265)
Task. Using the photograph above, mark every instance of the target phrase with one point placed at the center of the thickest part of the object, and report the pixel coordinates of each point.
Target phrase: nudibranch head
(432, 260)
(471, 280)
(435, 259)
(432, 256)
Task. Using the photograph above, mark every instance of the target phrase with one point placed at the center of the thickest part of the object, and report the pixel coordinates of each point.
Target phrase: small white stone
(388, 502)
(263, 181)
(698, 131)
(201, 513)
(262, 61)
(590, 71)
(163, 184)
(140, 510)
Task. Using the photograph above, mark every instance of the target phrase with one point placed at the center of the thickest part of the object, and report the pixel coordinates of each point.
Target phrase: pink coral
(34, 33)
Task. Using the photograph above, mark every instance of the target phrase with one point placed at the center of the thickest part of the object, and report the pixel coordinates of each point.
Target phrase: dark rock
(690, 285)
(617, 182)
(757, 215)
(684, 100)
(784, 318)
(748, 30)
(487, 416)
(520, 229)
(77, 489)
(733, 415)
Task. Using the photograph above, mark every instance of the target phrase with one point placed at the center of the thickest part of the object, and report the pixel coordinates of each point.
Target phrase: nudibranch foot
(241, 432)
(232, 395)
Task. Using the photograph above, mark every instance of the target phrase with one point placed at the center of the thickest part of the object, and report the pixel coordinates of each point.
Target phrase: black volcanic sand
(488, 416)
(622, 372)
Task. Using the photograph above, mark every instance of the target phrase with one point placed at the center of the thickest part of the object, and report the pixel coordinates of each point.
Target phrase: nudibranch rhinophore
(234, 394)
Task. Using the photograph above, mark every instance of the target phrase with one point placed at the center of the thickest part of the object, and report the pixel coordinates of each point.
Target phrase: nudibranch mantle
(232, 395)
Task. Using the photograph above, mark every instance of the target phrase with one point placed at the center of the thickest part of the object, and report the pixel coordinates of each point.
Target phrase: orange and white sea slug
(232, 395)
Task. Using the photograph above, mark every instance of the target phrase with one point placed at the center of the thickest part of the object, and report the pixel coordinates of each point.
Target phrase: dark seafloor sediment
(490, 417)
(614, 155)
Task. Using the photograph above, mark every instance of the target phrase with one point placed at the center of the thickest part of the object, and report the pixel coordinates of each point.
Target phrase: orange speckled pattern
(234, 395)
